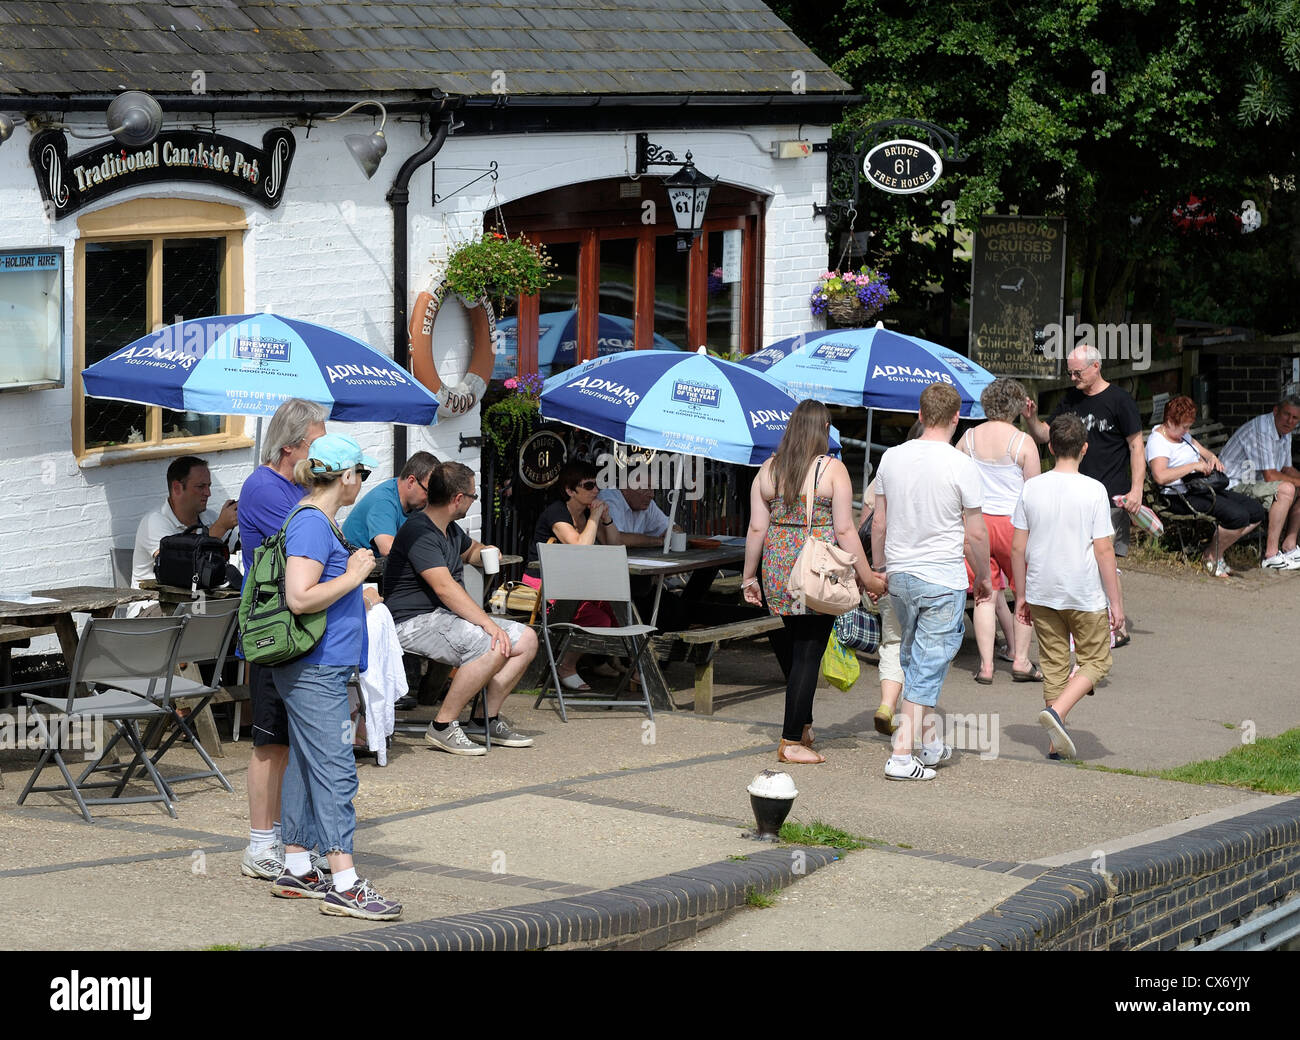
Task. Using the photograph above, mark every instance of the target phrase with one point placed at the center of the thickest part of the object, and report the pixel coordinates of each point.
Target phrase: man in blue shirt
(374, 520)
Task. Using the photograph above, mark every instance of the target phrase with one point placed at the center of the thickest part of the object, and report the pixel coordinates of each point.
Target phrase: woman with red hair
(1173, 455)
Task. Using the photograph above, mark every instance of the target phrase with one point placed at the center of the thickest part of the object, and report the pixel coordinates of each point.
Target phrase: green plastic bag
(839, 664)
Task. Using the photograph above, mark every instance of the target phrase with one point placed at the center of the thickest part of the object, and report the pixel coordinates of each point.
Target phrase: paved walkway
(609, 799)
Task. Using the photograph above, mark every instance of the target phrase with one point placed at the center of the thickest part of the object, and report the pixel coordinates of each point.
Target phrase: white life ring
(464, 395)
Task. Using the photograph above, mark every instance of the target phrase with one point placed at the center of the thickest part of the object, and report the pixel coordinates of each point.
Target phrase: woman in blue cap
(321, 778)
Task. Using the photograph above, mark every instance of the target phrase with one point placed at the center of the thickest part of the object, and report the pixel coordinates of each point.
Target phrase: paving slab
(611, 799)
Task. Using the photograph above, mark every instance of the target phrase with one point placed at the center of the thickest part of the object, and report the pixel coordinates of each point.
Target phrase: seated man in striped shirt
(1257, 459)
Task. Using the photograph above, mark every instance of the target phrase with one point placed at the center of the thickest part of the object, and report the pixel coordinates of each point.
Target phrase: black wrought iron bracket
(490, 171)
(470, 442)
(648, 155)
(844, 162)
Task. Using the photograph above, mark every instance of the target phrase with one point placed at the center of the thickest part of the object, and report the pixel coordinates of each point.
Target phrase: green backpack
(271, 633)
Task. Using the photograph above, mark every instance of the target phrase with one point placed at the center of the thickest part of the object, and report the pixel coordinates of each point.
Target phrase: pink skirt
(590, 613)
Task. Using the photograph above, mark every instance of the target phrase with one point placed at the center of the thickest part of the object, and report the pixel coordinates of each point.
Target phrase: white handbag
(822, 578)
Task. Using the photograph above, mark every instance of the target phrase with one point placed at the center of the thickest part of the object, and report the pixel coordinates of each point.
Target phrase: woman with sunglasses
(579, 518)
(321, 778)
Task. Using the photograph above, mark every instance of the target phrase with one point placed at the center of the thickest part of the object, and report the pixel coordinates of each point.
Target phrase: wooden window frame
(156, 221)
(749, 219)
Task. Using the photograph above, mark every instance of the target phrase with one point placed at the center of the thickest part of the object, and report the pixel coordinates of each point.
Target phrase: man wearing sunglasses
(1115, 454)
(379, 513)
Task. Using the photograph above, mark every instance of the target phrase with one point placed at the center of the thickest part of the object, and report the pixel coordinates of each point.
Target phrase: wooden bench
(701, 646)
(11, 637)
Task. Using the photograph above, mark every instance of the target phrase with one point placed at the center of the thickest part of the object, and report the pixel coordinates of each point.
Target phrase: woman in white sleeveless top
(1006, 458)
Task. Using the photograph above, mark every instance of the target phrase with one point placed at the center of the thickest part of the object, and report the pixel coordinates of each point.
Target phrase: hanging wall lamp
(688, 188)
(6, 128)
(367, 149)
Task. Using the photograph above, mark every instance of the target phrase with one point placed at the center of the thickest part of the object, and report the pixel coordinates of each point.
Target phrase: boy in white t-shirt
(1064, 568)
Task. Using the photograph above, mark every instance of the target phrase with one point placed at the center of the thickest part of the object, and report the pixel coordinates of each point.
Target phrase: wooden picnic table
(53, 608)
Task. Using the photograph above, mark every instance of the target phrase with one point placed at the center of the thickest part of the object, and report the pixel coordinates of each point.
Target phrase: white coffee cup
(491, 559)
(678, 543)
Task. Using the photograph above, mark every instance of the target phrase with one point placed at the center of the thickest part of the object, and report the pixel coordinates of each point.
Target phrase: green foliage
(498, 267)
(818, 833)
(1108, 114)
(760, 900)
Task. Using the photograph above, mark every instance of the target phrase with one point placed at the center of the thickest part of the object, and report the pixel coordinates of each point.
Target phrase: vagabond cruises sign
(69, 182)
(902, 167)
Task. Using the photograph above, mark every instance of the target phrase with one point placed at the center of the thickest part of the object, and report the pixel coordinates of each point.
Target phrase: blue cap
(335, 453)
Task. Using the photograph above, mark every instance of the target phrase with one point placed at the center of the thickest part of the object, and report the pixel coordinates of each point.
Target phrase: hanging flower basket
(847, 311)
(498, 267)
(852, 299)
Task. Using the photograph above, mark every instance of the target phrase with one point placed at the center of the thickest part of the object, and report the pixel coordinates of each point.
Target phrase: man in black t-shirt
(437, 618)
(1115, 455)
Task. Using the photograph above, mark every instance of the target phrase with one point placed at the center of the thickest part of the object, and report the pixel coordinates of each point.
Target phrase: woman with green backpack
(322, 573)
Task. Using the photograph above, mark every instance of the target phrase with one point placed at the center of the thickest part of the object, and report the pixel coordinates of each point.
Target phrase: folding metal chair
(209, 636)
(570, 574)
(111, 653)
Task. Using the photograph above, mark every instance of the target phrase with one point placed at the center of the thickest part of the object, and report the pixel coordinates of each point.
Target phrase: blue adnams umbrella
(250, 364)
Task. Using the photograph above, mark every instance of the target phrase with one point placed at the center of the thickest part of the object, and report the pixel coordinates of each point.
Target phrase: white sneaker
(453, 739)
(1282, 562)
(911, 770)
(933, 758)
(266, 865)
(1294, 554)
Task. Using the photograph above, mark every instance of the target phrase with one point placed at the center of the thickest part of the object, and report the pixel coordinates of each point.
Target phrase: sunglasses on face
(588, 485)
(363, 473)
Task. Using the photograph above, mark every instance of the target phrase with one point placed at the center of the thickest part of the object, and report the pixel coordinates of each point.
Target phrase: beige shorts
(447, 637)
(1053, 629)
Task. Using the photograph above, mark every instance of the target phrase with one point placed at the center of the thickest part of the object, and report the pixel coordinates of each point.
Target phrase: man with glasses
(1115, 454)
(377, 516)
(436, 618)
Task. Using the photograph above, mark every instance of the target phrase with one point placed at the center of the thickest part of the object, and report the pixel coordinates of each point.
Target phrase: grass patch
(818, 833)
(222, 948)
(759, 900)
(738, 859)
(1270, 765)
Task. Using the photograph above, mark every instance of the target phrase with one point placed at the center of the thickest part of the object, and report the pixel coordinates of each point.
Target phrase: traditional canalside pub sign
(69, 182)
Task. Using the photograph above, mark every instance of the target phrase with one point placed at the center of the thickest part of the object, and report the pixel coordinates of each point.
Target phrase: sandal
(1033, 675)
(817, 758)
(983, 680)
(574, 683)
(808, 736)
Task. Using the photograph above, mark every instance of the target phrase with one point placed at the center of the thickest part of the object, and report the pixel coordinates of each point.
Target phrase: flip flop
(1003, 654)
(981, 679)
(575, 683)
(1033, 675)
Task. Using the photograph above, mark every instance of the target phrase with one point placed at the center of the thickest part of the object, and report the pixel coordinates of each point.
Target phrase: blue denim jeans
(930, 620)
(320, 780)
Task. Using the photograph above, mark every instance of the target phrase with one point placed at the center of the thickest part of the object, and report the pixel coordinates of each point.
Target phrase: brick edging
(643, 915)
(1160, 896)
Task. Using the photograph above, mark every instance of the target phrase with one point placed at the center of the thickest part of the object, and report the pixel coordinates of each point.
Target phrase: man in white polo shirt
(189, 486)
(1257, 459)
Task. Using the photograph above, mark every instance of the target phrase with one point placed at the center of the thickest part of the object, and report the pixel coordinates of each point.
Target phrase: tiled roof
(467, 48)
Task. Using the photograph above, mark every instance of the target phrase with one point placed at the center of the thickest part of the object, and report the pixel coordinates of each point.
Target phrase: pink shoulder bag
(822, 578)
